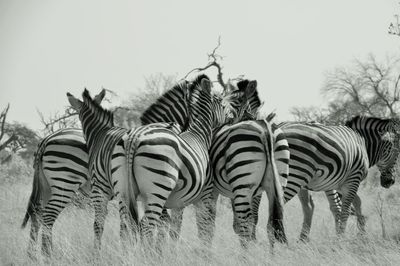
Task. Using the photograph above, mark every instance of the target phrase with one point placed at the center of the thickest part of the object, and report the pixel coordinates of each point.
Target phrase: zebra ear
(206, 84)
(99, 97)
(251, 87)
(74, 102)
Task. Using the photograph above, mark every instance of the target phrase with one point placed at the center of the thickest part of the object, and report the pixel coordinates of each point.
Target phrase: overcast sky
(50, 47)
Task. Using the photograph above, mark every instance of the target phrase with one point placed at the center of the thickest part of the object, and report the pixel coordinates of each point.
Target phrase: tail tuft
(34, 200)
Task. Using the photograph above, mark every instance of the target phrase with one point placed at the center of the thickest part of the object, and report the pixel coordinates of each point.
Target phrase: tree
(214, 60)
(17, 139)
(394, 27)
(27, 141)
(10, 137)
(58, 121)
(368, 87)
(309, 114)
(365, 88)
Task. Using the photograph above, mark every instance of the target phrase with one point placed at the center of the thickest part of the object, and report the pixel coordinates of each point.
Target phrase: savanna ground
(73, 234)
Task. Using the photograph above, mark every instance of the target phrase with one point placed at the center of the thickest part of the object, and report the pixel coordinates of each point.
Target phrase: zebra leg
(176, 223)
(57, 202)
(349, 191)
(50, 215)
(360, 216)
(255, 208)
(243, 216)
(307, 205)
(165, 219)
(235, 224)
(100, 213)
(153, 206)
(205, 219)
(335, 205)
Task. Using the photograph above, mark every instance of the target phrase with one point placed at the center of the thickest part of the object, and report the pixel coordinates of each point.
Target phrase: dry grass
(73, 237)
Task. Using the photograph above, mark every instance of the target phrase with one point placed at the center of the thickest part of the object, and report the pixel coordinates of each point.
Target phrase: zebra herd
(195, 144)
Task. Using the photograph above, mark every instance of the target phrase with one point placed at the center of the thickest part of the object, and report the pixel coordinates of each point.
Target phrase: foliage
(17, 170)
(27, 141)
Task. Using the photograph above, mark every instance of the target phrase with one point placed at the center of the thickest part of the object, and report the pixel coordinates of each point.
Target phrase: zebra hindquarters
(156, 172)
(245, 178)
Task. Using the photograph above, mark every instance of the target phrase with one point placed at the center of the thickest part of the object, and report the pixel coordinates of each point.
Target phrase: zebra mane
(96, 107)
(172, 101)
(362, 123)
(172, 106)
(195, 92)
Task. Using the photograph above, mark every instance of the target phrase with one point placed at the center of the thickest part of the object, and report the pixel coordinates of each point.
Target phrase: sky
(50, 47)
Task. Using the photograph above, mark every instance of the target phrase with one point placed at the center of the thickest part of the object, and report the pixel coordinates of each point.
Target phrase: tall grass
(73, 236)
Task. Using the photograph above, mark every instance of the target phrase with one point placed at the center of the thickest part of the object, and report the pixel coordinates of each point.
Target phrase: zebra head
(382, 138)
(247, 102)
(92, 116)
(390, 153)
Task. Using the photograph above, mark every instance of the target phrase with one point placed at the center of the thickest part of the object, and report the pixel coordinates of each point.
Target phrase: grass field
(73, 235)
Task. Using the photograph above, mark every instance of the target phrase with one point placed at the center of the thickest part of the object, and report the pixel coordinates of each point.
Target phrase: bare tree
(370, 86)
(10, 137)
(58, 121)
(214, 60)
(394, 27)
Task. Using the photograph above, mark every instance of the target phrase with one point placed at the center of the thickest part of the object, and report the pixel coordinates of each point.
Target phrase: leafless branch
(3, 117)
(213, 61)
(8, 141)
(394, 27)
(56, 120)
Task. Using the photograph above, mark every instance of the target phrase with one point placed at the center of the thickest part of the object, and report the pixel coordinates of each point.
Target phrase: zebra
(328, 158)
(61, 161)
(242, 157)
(108, 176)
(61, 168)
(206, 207)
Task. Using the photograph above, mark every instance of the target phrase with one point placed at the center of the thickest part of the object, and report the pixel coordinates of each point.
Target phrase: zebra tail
(130, 142)
(34, 200)
(276, 215)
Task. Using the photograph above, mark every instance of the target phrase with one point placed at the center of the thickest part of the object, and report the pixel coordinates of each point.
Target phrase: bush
(16, 171)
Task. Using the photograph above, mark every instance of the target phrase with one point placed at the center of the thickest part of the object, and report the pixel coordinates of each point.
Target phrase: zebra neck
(93, 135)
(202, 133)
(374, 149)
